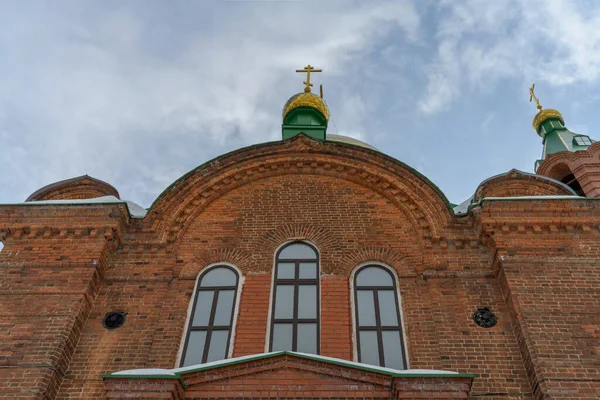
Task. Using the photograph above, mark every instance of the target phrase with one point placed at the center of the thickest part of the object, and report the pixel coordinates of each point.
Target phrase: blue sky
(139, 93)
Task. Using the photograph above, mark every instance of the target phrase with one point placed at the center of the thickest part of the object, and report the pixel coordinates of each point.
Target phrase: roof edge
(177, 373)
(65, 182)
(326, 142)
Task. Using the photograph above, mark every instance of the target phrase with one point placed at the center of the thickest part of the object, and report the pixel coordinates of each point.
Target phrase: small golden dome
(546, 113)
(306, 99)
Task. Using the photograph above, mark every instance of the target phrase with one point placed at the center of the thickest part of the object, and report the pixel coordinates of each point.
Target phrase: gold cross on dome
(308, 69)
(532, 96)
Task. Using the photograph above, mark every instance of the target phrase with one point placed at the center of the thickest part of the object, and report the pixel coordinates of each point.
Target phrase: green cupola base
(307, 120)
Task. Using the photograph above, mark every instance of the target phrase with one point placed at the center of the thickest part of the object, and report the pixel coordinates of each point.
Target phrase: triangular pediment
(287, 370)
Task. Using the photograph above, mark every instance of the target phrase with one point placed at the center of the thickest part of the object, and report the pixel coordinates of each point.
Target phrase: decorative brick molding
(323, 238)
(172, 212)
(378, 254)
(239, 258)
(289, 376)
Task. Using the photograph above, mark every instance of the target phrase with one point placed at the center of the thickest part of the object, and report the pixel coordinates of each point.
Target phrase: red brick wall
(252, 318)
(354, 206)
(548, 270)
(51, 268)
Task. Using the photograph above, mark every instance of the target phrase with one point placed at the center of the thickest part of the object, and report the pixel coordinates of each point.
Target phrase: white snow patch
(135, 210)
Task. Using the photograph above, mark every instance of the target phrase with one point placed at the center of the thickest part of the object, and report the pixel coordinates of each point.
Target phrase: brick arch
(518, 183)
(322, 238)
(241, 259)
(424, 205)
(394, 259)
(568, 158)
(559, 170)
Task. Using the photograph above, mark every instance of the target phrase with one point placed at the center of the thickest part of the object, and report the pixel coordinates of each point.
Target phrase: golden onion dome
(545, 114)
(306, 99)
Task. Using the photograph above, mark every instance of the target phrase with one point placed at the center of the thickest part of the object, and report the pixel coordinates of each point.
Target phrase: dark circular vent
(114, 319)
(484, 317)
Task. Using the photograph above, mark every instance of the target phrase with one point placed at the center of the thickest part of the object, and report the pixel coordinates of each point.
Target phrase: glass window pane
(307, 301)
(308, 271)
(284, 301)
(366, 308)
(217, 349)
(369, 352)
(297, 251)
(387, 308)
(218, 277)
(286, 270)
(374, 276)
(204, 300)
(195, 348)
(307, 338)
(224, 308)
(392, 350)
(282, 337)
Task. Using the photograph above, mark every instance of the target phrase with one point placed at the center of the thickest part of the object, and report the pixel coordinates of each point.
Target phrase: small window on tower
(582, 140)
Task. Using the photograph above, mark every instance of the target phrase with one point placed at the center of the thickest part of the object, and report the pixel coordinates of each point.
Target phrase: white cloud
(480, 42)
(138, 97)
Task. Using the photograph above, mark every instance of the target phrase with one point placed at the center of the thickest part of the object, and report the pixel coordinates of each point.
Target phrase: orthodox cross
(532, 96)
(308, 69)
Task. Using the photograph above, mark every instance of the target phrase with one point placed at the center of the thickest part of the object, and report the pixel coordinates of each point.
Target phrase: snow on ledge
(135, 210)
(176, 372)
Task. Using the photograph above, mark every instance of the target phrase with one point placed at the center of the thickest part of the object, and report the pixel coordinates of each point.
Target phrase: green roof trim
(233, 362)
(528, 198)
(328, 360)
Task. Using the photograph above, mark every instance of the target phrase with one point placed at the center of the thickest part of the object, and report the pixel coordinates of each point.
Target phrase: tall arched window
(211, 320)
(295, 312)
(378, 324)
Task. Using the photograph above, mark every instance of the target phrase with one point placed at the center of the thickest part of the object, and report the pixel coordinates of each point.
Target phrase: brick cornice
(63, 221)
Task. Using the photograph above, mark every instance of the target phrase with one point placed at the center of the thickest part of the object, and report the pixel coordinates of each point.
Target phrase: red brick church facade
(521, 258)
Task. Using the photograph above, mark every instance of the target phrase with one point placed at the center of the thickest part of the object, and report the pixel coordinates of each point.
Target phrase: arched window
(211, 320)
(378, 324)
(295, 311)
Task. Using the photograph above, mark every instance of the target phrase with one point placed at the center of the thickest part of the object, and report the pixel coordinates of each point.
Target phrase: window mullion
(378, 325)
(295, 323)
(211, 321)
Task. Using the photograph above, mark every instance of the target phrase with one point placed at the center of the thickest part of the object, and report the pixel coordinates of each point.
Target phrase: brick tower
(314, 267)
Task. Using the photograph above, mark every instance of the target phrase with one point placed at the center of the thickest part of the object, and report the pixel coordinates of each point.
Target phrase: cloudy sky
(137, 93)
